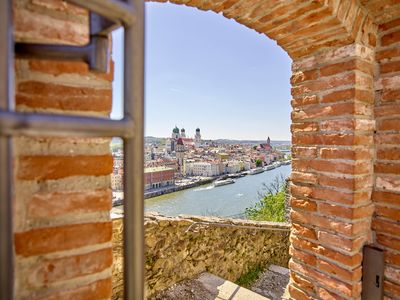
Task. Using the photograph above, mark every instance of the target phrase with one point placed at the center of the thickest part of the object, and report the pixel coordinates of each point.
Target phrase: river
(223, 201)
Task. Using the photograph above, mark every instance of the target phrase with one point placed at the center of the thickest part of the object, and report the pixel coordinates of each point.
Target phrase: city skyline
(241, 96)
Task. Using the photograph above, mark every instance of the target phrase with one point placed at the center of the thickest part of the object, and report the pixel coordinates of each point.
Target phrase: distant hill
(158, 140)
(251, 142)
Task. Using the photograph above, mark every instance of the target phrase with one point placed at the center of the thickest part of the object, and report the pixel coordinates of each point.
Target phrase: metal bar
(39, 124)
(96, 53)
(111, 9)
(57, 52)
(134, 157)
(6, 206)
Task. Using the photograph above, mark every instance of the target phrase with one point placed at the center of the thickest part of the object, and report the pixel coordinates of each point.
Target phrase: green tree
(271, 207)
(258, 162)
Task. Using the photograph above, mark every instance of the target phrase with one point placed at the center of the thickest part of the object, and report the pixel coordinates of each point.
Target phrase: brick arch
(301, 28)
(332, 46)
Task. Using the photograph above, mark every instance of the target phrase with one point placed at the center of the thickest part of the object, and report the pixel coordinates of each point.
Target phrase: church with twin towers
(178, 137)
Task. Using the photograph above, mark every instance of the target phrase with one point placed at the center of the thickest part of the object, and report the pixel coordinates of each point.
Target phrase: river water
(223, 201)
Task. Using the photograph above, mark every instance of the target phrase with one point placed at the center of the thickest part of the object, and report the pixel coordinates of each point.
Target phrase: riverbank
(166, 190)
(176, 188)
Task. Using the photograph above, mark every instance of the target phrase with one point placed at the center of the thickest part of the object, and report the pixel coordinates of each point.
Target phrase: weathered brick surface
(62, 194)
(386, 195)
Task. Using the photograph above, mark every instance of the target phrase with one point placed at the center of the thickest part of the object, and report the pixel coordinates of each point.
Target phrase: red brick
(389, 153)
(389, 25)
(388, 138)
(302, 231)
(44, 205)
(301, 282)
(356, 168)
(383, 226)
(326, 84)
(56, 167)
(58, 68)
(306, 258)
(305, 100)
(386, 197)
(301, 244)
(303, 76)
(54, 5)
(58, 269)
(338, 139)
(101, 289)
(334, 110)
(390, 38)
(353, 183)
(305, 152)
(327, 281)
(345, 212)
(337, 96)
(298, 294)
(348, 260)
(350, 198)
(303, 204)
(48, 95)
(389, 168)
(387, 54)
(304, 127)
(387, 110)
(345, 274)
(301, 177)
(341, 242)
(392, 258)
(389, 67)
(388, 212)
(300, 191)
(390, 95)
(344, 228)
(389, 124)
(391, 289)
(354, 154)
(390, 242)
(53, 239)
(327, 295)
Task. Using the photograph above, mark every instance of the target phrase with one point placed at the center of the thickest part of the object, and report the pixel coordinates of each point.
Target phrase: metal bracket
(373, 267)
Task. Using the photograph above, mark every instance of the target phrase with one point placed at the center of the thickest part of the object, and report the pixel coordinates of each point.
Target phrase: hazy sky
(203, 70)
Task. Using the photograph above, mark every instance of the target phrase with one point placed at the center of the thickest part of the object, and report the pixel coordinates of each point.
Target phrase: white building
(207, 169)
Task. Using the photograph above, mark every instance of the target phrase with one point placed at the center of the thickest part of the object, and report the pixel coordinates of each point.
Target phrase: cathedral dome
(175, 130)
(183, 130)
(198, 129)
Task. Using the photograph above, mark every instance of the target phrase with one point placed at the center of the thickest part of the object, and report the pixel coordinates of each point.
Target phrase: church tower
(197, 138)
(183, 133)
(175, 133)
(180, 153)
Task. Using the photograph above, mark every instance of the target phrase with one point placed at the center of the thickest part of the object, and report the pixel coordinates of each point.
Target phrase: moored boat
(256, 171)
(221, 182)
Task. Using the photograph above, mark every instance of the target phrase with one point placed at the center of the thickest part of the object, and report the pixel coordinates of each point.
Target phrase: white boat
(221, 182)
(270, 167)
(256, 171)
(286, 162)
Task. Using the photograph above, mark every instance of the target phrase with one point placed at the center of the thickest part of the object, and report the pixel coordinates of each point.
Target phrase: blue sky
(203, 70)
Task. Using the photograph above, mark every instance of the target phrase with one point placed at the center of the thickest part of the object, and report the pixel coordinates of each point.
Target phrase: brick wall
(386, 194)
(332, 129)
(62, 186)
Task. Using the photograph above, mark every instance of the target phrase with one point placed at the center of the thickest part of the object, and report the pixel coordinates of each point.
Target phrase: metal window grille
(105, 15)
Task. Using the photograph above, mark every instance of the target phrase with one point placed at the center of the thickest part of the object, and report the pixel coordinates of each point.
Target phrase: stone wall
(178, 248)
